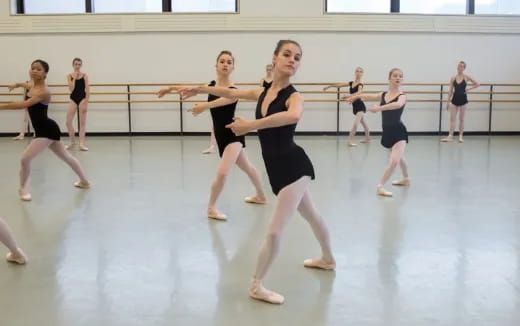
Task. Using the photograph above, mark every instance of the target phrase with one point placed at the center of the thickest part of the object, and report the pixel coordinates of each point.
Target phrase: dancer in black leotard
(25, 123)
(15, 254)
(230, 146)
(358, 107)
(268, 79)
(79, 96)
(457, 100)
(290, 171)
(395, 136)
(47, 132)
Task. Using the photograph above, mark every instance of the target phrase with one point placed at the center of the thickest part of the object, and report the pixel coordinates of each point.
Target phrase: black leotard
(78, 93)
(358, 105)
(222, 116)
(266, 84)
(393, 128)
(285, 161)
(44, 127)
(459, 95)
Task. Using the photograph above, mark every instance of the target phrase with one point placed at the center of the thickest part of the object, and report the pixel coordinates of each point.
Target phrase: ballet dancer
(80, 93)
(395, 135)
(46, 131)
(278, 110)
(358, 107)
(230, 146)
(458, 100)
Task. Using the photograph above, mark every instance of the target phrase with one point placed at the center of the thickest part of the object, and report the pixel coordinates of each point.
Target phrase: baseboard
(298, 133)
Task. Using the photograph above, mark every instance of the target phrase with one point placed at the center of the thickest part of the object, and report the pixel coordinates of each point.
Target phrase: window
(497, 7)
(54, 6)
(125, 6)
(433, 6)
(204, 6)
(378, 6)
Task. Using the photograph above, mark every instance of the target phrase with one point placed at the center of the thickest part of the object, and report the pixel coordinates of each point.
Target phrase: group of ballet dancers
(279, 109)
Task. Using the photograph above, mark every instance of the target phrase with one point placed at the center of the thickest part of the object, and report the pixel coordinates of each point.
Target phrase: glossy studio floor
(137, 248)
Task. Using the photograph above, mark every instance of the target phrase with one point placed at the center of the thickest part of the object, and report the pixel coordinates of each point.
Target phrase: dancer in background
(46, 131)
(230, 146)
(80, 92)
(395, 135)
(458, 100)
(358, 107)
(268, 79)
(25, 122)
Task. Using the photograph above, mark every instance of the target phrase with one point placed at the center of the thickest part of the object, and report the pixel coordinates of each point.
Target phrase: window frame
(167, 7)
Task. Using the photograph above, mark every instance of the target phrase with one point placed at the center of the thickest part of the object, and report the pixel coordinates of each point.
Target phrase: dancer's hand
(198, 109)
(349, 98)
(188, 91)
(240, 126)
(163, 91)
(375, 109)
(11, 87)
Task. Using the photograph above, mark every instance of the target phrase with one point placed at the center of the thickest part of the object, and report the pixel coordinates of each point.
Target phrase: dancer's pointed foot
(216, 215)
(259, 292)
(17, 257)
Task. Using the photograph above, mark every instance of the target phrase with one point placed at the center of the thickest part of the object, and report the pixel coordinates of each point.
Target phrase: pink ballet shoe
(83, 148)
(383, 192)
(365, 140)
(403, 182)
(216, 215)
(21, 259)
(19, 137)
(82, 184)
(319, 263)
(254, 200)
(209, 150)
(24, 196)
(258, 292)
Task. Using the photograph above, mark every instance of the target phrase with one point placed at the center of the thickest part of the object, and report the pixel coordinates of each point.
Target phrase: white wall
(330, 54)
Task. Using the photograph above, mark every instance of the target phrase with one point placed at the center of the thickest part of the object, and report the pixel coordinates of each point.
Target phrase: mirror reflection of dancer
(230, 146)
(15, 254)
(80, 93)
(25, 122)
(395, 135)
(358, 107)
(458, 100)
(46, 131)
(290, 170)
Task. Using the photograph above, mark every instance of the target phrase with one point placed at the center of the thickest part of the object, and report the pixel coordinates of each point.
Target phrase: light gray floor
(137, 249)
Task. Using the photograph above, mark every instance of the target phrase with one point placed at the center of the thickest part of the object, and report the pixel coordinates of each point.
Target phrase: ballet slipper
(318, 263)
(258, 292)
(383, 192)
(209, 150)
(216, 215)
(254, 200)
(82, 184)
(365, 140)
(447, 139)
(19, 137)
(402, 182)
(25, 196)
(83, 148)
(69, 145)
(20, 259)
(461, 140)
(351, 144)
